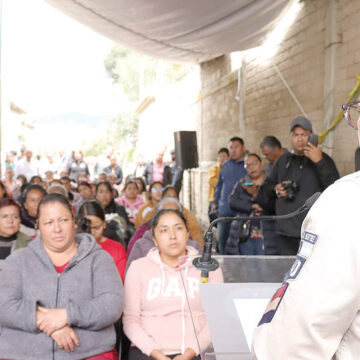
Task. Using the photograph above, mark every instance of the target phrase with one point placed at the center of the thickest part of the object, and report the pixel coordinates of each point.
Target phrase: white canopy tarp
(179, 30)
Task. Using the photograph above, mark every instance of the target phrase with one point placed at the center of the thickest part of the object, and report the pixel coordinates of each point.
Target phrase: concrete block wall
(319, 60)
(219, 119)
(218, 111)
(269, 106)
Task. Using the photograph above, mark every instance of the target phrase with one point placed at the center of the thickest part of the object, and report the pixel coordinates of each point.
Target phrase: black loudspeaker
(186, 150)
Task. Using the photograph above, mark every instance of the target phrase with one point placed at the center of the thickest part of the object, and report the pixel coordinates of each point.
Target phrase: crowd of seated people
(78, 232)
(113, 242)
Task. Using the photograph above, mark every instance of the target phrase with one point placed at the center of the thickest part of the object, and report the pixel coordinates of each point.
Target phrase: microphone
(206, 263)
(311, 200)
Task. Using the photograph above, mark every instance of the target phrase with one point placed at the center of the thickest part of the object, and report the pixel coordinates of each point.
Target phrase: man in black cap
(295, 176)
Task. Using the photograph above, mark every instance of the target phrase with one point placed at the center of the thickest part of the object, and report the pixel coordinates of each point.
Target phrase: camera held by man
(294, 177)
(291, 187)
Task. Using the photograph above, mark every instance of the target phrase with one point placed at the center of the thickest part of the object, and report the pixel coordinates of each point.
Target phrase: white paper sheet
(250, 312)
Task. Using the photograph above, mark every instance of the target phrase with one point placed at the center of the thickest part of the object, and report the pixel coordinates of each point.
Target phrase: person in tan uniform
(316, 312)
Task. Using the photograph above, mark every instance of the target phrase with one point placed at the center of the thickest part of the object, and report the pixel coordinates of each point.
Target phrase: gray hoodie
(89, 288)
(143, 245)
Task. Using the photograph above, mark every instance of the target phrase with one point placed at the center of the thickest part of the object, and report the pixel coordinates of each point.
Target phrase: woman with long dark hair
(115, 214)
(30, 200)
(91, 219)
(142, 188)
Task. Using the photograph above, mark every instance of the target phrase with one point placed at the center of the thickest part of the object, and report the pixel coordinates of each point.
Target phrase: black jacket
(76, 168)
(241, 202)
(176, 176)
(148, 174)
(113, 230)
(311, 177)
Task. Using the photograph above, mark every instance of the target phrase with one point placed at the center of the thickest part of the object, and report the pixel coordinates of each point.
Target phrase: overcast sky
(52, 64)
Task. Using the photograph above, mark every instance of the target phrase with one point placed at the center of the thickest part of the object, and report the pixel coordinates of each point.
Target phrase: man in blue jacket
(231, 172)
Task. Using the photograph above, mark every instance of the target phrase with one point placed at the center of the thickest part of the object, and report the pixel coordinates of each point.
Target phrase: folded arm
(106, 306)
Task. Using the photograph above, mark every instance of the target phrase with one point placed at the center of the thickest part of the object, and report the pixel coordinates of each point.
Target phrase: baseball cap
(301, 121)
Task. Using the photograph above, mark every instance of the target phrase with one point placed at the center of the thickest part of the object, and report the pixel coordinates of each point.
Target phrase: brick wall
(269, 105)
(313, 51)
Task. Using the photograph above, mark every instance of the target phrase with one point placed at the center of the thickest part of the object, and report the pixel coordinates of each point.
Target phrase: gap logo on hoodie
(172, 288)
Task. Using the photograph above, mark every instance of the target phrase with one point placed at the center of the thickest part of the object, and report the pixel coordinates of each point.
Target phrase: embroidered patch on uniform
(273, 305)
(311, 238)
(305, 249)
(295, 269)
(307, 243)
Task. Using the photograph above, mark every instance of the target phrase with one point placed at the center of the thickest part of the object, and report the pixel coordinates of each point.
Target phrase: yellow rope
(352, 95)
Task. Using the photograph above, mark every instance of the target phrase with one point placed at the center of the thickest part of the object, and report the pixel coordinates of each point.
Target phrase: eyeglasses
(253, 163)
(154, 190)
(266, 155)
(351, 113)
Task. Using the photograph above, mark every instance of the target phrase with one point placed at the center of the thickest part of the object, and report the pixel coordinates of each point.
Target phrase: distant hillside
(89, 120)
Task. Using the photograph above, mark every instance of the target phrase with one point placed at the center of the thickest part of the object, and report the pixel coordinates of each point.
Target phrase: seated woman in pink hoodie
(156, 315)
(131, 200)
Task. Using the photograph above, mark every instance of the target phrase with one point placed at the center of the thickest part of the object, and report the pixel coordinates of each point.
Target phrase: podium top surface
(233, 308)
(254, 269)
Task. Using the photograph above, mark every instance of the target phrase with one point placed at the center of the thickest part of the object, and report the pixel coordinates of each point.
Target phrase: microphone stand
(206, 263)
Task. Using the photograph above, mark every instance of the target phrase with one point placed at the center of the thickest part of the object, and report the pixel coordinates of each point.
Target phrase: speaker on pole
(186, 150)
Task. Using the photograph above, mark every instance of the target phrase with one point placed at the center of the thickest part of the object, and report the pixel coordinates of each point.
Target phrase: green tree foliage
(132, 71)
(123, 66)
(129, 69)
(124, 126)
(121, 129)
